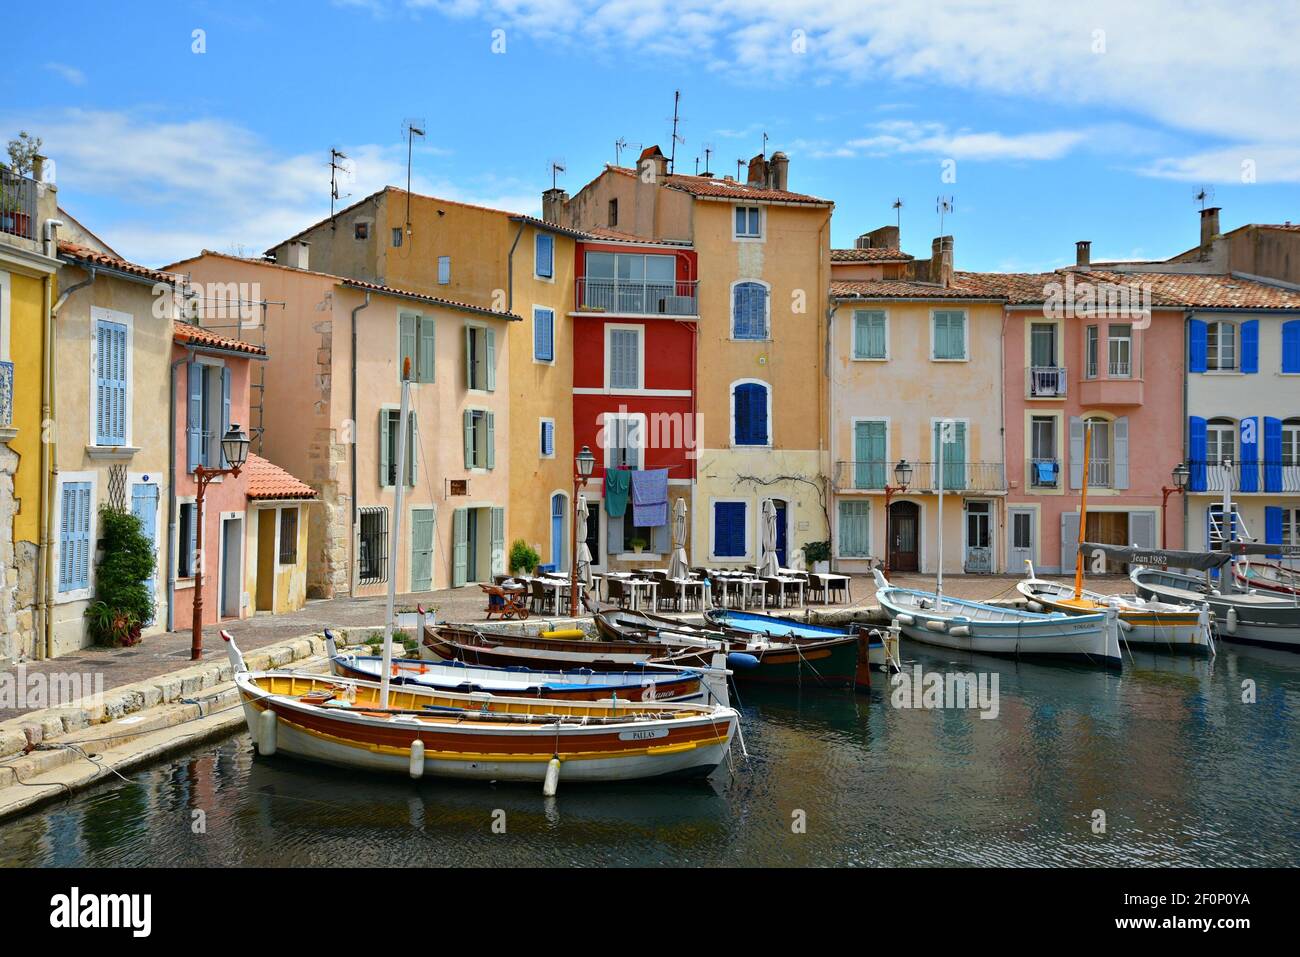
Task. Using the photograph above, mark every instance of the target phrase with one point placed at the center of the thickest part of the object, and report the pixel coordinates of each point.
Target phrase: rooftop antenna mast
(620, 145)
(708, 151)
(740, 164)
(413, 128)
(672, 159)
(1205, 195)
(336, 167)
(944, 206)
(764, 143)
(898, 212)
(557, 167)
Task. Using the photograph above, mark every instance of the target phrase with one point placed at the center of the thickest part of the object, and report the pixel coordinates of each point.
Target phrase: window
(1120, 351)
(636, 284)
(623, 533)
(623, 437)
(950, 334)
(289, 536)
(613, 212)
(547, 439)
(623, 357)
(749, 222)
(1291, 526)
(389, 420)
(74, 537)
(480, 439)
(1042, 345)
(870, 454)
(543, 334)
(480, 358)
(1090, 352)
(1220, 441)
(1221, 346)
(1100, 462)
(855, 529)
(870, 335)
(187, 539)
(1291, 443)
(1218, 529)
(1022, 530)
(444, 270)
(112, 388)
(207, 414)
(361, 230)
(544, 256)
(729, 527)
(749, 310)
(372, 546)
(418, 343)
(750, 409)
(397, 236)
(1044, 469)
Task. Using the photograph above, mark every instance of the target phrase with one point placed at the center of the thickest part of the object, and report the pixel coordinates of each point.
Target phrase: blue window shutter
(1196, 451)
(194, 417)
(543, 334)
(1273, 527)
(1291, 346)
(74, 537)
(758, 414)
(110, 383)
(751, 414)
(225, 413)
(1250, 346)
(1198, 337)
(729, 529)
(548, 438)
(1272, 454)
(1249, 470)
(749, 309)
(545, 255)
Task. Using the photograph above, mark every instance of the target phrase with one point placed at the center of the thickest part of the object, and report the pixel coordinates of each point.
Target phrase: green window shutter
(406, 335)
(385, 463)
(498, 541)
(869, 454)
(954, 456)
(412, 447)
(490, 351)
(855, 529)
(950, 335)
(428, 351)
(468, 426)
(460, 546)
(868, 334)
(469, 357)
(422, 549)
(490, 417)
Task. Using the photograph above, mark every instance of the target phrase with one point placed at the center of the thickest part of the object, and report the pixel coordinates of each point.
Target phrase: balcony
(1043, 473)
(17, 205)
(638, 297)
(1268, 478)
(958, 477)
(1113, 390)
(1045, 382)
(6, 395)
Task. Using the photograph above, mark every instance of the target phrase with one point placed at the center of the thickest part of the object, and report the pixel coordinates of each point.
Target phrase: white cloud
(69, 74)
(1247, 163)
(161, 189)
(906, 136)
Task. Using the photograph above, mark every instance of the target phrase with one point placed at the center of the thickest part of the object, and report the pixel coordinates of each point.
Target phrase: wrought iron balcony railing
(640, 297)
(17, 205)
(1043, 473)
(957, 476)
(1046, 381)
(1270, 476)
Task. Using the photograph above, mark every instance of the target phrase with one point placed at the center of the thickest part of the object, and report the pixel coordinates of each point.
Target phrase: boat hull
(1269, 620)
(1175, 631)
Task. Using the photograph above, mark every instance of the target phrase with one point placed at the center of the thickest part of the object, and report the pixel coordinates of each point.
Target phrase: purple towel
(650, 498)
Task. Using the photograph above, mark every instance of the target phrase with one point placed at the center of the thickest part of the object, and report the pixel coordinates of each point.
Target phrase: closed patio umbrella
(768, 566)
(584, 553)
(678, 566)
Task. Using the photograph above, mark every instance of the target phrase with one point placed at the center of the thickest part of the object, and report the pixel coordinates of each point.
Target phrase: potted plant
(638, 544)
(817, 556)
(523, 557)
(24, 152)
(123, 600)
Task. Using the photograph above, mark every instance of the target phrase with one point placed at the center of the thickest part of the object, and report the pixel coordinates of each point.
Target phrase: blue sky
(1097, 123)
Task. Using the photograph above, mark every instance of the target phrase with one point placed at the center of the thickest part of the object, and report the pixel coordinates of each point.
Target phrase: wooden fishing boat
(1181, 627)
(624, 624)
(994, 630)
(654, 683)
(1268, 576)
(872, 642)
(417, 731)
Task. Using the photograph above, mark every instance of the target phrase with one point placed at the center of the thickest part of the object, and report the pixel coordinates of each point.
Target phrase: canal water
(1164, 764)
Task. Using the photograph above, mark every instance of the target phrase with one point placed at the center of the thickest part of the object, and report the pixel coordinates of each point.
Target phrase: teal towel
(617, 484)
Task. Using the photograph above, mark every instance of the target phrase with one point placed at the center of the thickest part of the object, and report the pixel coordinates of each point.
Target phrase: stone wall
(17, 573)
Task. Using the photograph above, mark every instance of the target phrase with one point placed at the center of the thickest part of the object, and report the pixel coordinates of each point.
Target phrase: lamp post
(902, 475)
(583, 464)
(234, 449)
(1180, 475)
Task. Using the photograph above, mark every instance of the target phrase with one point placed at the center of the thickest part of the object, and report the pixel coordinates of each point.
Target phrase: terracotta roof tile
(876, 254)
(606, 233)
(196, 335)
(710, 187)
(76, 253)
(266, 480)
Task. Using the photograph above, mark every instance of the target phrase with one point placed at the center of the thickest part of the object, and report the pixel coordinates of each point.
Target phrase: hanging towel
(616, 487)
(650, 498)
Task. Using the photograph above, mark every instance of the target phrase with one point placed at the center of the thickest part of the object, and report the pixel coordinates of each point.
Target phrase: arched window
(750, 411)
(749, 310)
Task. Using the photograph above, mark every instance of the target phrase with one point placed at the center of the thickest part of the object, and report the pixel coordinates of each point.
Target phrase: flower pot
(821, 568)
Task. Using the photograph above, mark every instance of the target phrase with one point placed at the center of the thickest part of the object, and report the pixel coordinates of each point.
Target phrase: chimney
(296, 254)
(1209, 226)
(779, 170)
(553, 203)
(886, 237)
(941, 261)
(757, 171)
(1083, 253)
(658, 164)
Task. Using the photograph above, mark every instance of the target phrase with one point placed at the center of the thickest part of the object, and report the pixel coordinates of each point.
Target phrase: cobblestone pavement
(159, 654)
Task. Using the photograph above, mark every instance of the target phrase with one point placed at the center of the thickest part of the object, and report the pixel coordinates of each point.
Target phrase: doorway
(558, 551)
(144, 506)
(231, 590)
(781, 511)
(978, 558)
(904, 527)
(1020, 539)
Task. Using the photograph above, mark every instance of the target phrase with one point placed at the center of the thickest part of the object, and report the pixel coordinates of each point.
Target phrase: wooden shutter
(1142, 529)
(490, 357)
(1069, 540)
(1249, 470)
(110, 383)
(1272, 454)
(412, 446)
(498, 541)
(490, 418)
(194, 417)
(729, 529)
(1291, 345)
(1121, 452)
(1198, 346)
(225, 417)
(548, 438)
(545, 255)
(467, 425)
(74, 537)
(460, 546)
(1196, 429)
(469, 358)
(385, 461)
(543, 334)
(427, 330)
(422, 549)
(1273, 527)
(1076, 452)
(1250, 346)
(407, 342)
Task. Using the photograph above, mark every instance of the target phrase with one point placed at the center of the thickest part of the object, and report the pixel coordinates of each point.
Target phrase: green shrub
(523, 557)
(123, 603)
(817, 552)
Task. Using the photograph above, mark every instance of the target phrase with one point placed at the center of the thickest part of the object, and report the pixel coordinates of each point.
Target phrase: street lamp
(1180, 475)
(234, 449)
(584, 464)
(902, 475)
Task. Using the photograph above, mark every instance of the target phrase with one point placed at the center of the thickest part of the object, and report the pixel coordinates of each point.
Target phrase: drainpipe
(172, 543)
(1183, 426)
(510, 271)
(352, 521)
(49, 455)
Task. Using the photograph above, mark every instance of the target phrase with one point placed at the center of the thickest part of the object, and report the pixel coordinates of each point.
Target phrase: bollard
(266, 722)
(417, 759)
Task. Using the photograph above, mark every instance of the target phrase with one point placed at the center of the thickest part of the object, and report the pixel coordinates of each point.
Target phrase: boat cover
(1156, 557)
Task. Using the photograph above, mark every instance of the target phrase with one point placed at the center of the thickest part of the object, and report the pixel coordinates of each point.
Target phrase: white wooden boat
(423, 731)
(996, 630)
(1182, 627)
(1269, 577)
(1247, 616)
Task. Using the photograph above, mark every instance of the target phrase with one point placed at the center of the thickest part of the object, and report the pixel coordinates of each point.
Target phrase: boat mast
(394, 540)
(1083, 512)
(945, 431)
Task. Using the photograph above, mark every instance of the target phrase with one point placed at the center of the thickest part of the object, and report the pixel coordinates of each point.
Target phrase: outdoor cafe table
(556, 586)
(692, 584)
(837, 582)
(745, 584)
(790, 580)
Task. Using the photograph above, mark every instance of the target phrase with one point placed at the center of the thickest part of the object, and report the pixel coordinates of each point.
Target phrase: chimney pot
(757, 171)
(1209, 226)
(296, 256)
(779, 170)
(553, 202)
(1083, 253)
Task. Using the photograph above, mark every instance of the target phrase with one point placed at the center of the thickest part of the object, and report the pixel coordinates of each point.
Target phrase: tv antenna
(672, 159)
(411, 127)
(765, 143)
(336, 167)
(1205, 195)
(740, 164)
(944, 206)
(898, 212)
(620, 145)
(557, 167)
(708, 152)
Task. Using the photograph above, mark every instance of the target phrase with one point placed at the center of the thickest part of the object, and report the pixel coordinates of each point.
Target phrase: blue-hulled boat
(789, 629)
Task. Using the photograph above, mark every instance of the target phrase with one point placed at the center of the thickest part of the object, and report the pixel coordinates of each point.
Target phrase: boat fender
(959, 631)
(564, 633)
(266, 723)
(552, 782)
(1231, 621)
(905, 619)
(935, 625)
(739, 661)
(417, 759)
(1035, 606)
(1125, 625)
